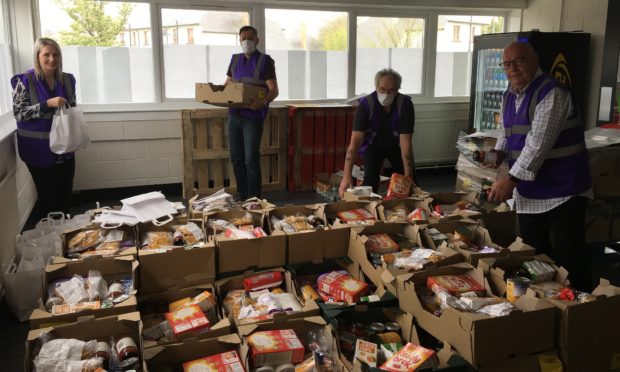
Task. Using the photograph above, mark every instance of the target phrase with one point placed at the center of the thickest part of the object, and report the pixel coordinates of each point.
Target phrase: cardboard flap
(229, 339)
(606, 289)
(85, 319)
(387, 277)
(151, 352)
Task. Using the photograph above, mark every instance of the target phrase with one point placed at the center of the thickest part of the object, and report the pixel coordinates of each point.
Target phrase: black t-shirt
(385, 138)
(270, 69)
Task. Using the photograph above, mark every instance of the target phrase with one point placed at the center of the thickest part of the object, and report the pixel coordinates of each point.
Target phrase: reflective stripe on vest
(560, 152)
(371, 110)
(256, 80)
(32, 134)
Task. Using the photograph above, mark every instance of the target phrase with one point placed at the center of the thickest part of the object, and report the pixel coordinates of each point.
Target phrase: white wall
(575, 15)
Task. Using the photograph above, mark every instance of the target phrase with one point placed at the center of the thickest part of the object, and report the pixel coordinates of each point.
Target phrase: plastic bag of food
(157, 239)
(282, 225)
(234, 233)
(187, 234)
(84, 240)
(218, 225)
(246, 219)
(495, 310)
(72, 291)
(397, 213)
(97, 287)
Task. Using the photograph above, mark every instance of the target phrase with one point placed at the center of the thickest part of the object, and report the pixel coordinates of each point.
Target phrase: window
(207, 55)
(147, 37)
(397, 43)
(456, 33)
(5, 64)
(454, 52)
(106, 70)
(310, 52)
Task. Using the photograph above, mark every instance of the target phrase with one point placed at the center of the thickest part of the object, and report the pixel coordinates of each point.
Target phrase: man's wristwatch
(513, 178)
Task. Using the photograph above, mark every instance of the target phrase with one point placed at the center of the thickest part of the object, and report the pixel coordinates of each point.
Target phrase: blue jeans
(244, 135)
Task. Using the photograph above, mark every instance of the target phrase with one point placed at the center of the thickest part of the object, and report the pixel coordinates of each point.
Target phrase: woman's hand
(56, 102)
(346, 182)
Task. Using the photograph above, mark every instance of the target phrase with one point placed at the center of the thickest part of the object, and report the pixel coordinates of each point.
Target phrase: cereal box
(366, 352)
(342, 287)
(187, 319)
(399, 187)
(408, 359)
(205, 300)
(454, 284)
(381, 243)
(228, 361)
(359, 214)
(273, 348)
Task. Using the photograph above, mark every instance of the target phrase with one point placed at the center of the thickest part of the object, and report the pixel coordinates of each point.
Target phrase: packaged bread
(381, 243)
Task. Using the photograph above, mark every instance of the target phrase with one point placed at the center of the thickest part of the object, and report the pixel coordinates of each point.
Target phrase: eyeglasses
(514, 63)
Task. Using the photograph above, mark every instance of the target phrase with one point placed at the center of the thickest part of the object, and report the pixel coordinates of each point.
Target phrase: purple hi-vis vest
(375, 111)
(565, 171)
(33, 136)
(250, 71)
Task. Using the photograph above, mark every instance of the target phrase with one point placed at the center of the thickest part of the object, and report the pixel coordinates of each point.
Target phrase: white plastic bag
(69, 131)
(23, 290)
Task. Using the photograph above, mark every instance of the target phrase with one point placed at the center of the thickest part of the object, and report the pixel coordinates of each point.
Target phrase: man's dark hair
(248, 28)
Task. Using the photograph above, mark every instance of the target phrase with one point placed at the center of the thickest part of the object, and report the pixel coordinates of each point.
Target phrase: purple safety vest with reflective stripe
(375, 111)
(33, 136)
(565, 171)
(250, 71)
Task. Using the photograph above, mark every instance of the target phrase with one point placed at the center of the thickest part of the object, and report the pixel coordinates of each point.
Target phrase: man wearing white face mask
(382, 128)
(245, 126)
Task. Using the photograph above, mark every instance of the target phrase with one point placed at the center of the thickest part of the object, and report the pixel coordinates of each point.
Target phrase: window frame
(257, 18)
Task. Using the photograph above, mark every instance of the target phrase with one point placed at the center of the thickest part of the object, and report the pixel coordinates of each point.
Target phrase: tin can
(392, 327)
(377, 327)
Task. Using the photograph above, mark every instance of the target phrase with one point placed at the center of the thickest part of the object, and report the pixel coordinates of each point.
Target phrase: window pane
(106, 45)
(455, 44)
(383, 42)
(201, 42)
(6, 70)
(310, 51)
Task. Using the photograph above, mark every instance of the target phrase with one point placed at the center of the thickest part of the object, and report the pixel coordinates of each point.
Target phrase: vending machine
(563, 55)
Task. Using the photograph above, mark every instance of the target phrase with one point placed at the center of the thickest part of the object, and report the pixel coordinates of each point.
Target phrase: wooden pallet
(206, 158)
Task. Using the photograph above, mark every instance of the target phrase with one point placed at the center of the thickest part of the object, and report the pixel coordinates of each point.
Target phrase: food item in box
(409, 358)
(74, 308)
(259, 232)
(355, 215)
(299, 223)
(263, 281)
(499, 309)
(177, 304)
(205, 300)
(381, 243)
(234, 233)
(464, 234)
(515, 288)
(228, 361)
(187, 319)
(309, 293)
(126, 348)
(418, 214)
(366, 352)
(399, 187)
(246, 219)
(273, 348)
(412, 260)
(71, 291)
(342, 287)
(84, 240)
(188, 234)
(454, 284)
(157, 239)
(397, 213)
(539, 271)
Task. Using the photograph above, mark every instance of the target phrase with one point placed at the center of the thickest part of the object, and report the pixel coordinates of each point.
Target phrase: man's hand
(344, 185)
(257, 104)
(501, 190)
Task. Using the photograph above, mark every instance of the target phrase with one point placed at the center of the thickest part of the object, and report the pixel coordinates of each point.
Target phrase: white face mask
(385, 99)
(248, 46)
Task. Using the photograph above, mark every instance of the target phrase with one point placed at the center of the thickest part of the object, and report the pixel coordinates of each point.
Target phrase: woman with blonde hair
(37, 94)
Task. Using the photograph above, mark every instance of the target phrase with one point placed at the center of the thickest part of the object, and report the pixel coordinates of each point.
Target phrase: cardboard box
(301, 326)
(129, 231)
(174, 355)
(275, 347)
(501, 225)
(265, 206)
(478, 338)
(332, 210)
(538, 362)
(223, 286)
(238, 255)
(381, 276)
(148, 305)
(451, 198)
(110, 268)
(481, 238)
(234, 94)
(311, 245)
(87, 328)
(411, 204)
(176, 268)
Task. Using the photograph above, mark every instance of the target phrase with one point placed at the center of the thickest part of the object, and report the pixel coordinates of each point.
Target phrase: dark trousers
(54, 185)
(373, 161)
(560, 234)
(244, 137)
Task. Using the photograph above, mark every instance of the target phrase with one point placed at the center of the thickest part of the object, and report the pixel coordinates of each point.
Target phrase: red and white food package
(266, 280)
(399, 187)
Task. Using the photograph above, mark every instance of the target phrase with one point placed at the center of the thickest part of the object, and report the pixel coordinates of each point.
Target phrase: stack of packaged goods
(171, 236)
(477, 166)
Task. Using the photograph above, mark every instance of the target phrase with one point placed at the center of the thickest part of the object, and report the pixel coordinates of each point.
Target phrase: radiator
(434, 141)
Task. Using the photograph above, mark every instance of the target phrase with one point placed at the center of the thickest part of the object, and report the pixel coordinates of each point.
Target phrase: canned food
(392, 327)
(388, 338)
(377, 327)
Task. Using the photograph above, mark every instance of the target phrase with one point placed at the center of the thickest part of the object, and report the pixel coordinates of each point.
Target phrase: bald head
(520, 63)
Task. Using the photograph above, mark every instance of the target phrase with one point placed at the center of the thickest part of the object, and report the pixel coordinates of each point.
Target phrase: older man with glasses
(549, 175)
